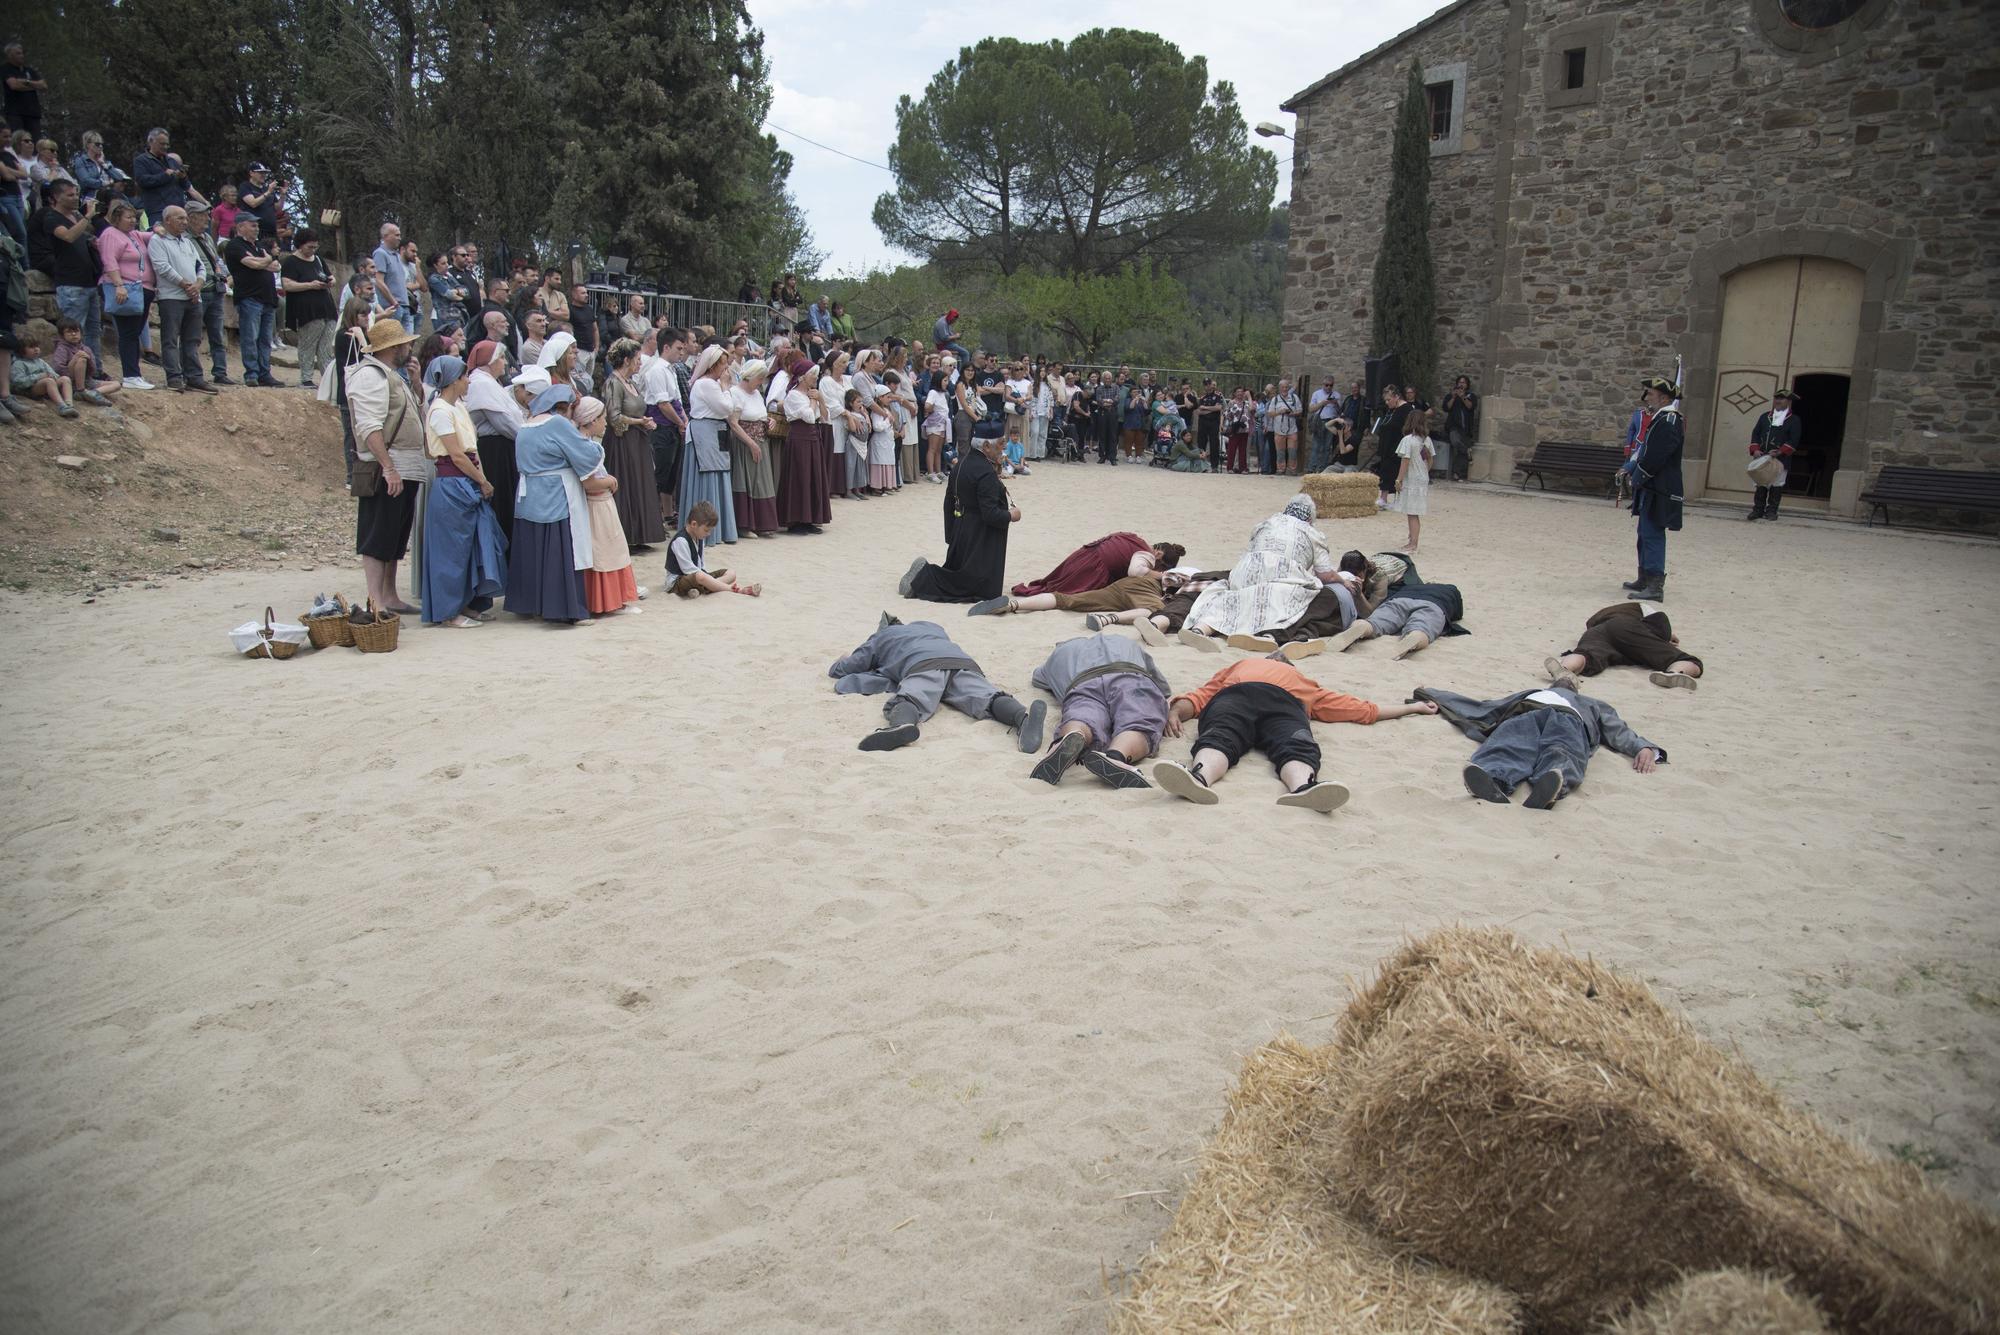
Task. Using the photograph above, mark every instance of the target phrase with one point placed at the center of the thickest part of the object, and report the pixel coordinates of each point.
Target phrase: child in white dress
(1413, 481)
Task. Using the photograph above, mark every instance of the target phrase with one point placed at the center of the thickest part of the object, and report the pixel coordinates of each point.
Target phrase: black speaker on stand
(1382, 371)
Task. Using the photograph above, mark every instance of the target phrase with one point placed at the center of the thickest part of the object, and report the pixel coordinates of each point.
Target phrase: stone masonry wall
(1710, 145)
(1344, 132)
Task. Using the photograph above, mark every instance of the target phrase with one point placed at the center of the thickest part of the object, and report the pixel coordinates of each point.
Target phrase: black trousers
(1107, 438)
(1208, 439)
(1255, 715)
(1767, 501)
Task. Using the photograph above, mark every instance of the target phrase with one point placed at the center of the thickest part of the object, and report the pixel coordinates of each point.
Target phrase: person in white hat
(753, 483)
(389, 455)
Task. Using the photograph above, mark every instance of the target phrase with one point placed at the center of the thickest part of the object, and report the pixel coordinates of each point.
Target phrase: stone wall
(1344, 133)
(1709, 148)
(1712, 139)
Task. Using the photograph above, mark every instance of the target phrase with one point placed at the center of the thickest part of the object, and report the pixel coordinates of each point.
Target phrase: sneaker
(178, 386)
(6, 418)
(135, 382)
(1317, 796)
(1067, 751)
(65, 410)
(1113, 771)
(1484, 786)
(220, 379)
(1100, 621)
(1543, 790)
(202, 387)
(1184, 783)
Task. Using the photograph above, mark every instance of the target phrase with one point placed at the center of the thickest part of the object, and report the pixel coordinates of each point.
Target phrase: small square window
(1574, 64)
(1440, 95)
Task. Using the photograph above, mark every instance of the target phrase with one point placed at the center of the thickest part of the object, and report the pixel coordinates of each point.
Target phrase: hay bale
(1367, 511)
(1723, 1302)
(1333, 491)
(1259, 1244)
(1535, 1119)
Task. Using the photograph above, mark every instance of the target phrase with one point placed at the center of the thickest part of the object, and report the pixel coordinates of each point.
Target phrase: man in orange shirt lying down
(1268, 705)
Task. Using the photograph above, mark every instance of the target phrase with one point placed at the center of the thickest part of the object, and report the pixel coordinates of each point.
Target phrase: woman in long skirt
(705, 461)
(628, 449)
(833, 387)
(608, 586)
(551, 548)
(497, 414)
(802, 495)
(753, 484)
(464, 561)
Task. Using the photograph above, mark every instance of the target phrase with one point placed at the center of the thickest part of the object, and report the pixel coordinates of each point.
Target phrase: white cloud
(838, 66)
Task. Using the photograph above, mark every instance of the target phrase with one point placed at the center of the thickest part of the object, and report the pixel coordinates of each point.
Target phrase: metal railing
(1226, 381)
(685, 312)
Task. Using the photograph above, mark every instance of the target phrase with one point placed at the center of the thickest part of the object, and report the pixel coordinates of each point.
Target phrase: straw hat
(386, 334)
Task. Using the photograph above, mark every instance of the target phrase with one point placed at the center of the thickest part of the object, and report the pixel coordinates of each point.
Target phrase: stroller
(1169, 430)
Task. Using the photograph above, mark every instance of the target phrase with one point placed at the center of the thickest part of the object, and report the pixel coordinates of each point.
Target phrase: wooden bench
(1933, 489)
(1572, 459)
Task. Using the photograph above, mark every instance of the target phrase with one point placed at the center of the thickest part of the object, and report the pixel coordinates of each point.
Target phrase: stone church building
(1782, 193)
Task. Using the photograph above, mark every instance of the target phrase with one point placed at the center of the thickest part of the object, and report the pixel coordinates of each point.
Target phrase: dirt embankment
(171, 484)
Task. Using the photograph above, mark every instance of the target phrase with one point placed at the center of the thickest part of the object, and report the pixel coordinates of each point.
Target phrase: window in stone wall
(1444, 92)
(1574, 65)
(1816, 30)
(1577, 61)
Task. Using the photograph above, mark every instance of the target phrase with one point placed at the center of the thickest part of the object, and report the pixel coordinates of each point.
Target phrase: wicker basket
(271, 646)
(331, 630)
(379, 635)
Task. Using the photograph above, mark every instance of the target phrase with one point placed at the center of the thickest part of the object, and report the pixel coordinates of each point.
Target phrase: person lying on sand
(1333, 609)
(920, 668)
(1543, 738)
(1145, 592)
(1114, 708)
(1265, 704)
(1629, 634)
(1156, 625)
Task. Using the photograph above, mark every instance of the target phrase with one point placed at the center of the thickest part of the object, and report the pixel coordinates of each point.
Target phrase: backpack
(41, 244)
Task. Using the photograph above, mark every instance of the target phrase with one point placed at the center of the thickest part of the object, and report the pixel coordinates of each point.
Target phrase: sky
(838, 66)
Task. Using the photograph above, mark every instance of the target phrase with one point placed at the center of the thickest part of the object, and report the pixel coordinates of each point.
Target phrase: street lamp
(1272, 130)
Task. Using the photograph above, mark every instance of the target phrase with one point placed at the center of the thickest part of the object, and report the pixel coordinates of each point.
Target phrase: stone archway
(1883, 265)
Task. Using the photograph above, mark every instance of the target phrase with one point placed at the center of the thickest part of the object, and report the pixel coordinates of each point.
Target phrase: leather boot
(1653, 591)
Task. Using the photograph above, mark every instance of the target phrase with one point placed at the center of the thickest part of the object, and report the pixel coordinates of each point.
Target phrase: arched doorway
(1789, 323)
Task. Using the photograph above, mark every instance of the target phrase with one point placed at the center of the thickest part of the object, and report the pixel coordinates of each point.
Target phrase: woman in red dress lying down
(1096, 564)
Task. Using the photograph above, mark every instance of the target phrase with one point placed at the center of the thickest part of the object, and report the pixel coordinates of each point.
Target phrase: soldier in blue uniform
(1656, 489)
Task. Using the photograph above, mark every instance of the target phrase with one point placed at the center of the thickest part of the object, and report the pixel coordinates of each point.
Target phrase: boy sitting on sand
(1265, 704)
(686, 573)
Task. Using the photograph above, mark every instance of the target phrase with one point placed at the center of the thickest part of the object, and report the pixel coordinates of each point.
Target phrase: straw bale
(1723, 1302)
(1259, 1244)
(1535, 1119)
(1367, 511)
(1334, 491)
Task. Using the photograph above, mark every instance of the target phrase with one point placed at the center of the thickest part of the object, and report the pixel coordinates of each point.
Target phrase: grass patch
(1928, 1158)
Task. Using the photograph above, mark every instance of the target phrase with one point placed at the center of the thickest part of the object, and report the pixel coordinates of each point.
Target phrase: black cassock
(975, 534)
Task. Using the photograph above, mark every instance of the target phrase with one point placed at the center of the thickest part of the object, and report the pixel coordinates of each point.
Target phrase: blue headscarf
(445, 370)
(551, 397)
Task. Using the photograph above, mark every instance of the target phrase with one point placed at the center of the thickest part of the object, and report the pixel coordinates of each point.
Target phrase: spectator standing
(392, 278)
(1208, 424)
(181, 272)
(1283, 414)
(90, 167)
(553, 303)
(309, 304)
(227, 206)
(161, 176)
(260, 197)
(24, 87)
(842, 322)
(633, 323)
(121, 254)
(14, 183)
(72, 247)
(214, 294)
(47, 169)
(1461, 427)
(253, 277)
(584, 324)
(447, 296)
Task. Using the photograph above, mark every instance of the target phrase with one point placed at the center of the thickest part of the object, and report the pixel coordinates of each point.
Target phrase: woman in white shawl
(705, 461)
(833, 387)
(1286, 566)
(874, 468)
(497, 416)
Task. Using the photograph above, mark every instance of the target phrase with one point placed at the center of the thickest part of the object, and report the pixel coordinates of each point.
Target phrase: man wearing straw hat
(1656, 489)
(1772, 442)
(390, 459)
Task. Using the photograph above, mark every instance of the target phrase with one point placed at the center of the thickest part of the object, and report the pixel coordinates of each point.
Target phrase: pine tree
(1405, 299)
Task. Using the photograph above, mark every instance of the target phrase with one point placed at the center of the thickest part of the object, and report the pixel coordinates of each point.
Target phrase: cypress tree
(1405, 297)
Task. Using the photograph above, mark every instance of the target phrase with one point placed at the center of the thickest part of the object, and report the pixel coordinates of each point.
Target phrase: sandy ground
(532, 979)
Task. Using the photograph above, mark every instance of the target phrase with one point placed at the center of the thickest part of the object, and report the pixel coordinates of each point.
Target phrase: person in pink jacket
(128, 282)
